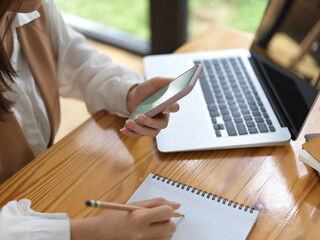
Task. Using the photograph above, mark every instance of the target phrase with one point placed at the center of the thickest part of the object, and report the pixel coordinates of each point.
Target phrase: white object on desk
(307, 158)
(207, 216)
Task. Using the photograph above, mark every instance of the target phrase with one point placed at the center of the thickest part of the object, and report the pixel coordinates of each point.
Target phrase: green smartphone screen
(164, 93)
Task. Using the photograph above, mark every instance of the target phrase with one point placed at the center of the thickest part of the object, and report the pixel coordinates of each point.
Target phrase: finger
(159, 214)
(159, 82)
(129, 133)
(173, 108)
(164, 229)
(142, 130)
(151, 86)
(159, 122)
(155, 202)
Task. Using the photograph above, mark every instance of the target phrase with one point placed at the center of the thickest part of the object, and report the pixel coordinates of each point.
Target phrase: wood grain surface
(96, 162)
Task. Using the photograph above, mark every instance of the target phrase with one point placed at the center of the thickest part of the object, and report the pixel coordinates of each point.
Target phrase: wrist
(81, 229)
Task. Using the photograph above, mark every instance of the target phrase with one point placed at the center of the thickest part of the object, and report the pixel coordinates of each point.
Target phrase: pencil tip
(88, 203)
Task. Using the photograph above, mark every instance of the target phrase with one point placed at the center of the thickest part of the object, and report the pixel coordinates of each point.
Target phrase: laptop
(243, 98)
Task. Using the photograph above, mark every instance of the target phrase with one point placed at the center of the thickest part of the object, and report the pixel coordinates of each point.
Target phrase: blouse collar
(24, 18)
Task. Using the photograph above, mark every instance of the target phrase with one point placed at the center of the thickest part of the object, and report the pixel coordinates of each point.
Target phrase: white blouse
(19, 222)
(82, 74)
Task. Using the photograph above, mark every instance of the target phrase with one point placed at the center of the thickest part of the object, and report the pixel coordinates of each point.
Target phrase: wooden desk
(96, 162)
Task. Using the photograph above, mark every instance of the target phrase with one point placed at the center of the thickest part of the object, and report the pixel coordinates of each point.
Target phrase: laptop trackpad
(190, 128)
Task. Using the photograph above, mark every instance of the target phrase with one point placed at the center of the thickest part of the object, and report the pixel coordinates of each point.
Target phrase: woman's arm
(19, 222)
(85, 74)
(151, 223)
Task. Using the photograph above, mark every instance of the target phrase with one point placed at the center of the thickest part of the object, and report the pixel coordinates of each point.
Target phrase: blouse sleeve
(85, 74)
(19, 222)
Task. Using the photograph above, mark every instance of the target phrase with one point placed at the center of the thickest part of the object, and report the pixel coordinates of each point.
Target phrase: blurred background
(128, 30)
(137, 17)
(133, 16)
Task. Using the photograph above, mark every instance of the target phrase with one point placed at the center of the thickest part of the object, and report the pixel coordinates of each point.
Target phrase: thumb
(155, 202)
(156, 83)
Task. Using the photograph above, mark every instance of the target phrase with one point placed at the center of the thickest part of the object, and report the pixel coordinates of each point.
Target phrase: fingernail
(130, 123)
(166, 111)
(123, 130)
(141, 118)
(175, 203)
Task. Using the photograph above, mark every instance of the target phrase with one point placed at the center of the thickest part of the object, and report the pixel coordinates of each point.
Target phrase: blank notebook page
(206, 217)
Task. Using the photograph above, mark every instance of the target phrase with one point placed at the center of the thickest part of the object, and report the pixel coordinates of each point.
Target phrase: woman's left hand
(147, 126)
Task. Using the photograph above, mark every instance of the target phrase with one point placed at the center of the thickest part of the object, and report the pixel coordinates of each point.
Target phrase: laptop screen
(289, 35)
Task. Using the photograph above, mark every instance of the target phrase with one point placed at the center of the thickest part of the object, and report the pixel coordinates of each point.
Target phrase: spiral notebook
(207, 216)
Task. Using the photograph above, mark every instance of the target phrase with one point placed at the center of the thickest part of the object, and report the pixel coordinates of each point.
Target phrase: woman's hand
(148, 126)
(150, 223)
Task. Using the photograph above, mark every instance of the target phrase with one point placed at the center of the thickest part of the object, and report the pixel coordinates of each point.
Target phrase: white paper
(204, 219)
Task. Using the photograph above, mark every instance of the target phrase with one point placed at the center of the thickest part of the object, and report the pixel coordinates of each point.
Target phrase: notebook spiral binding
(201, 193)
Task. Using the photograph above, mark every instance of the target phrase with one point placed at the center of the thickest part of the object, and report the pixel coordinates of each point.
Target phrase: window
(126, 23)
(241, 15)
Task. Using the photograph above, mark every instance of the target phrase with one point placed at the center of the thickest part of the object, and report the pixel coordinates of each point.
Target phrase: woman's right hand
(150, 223)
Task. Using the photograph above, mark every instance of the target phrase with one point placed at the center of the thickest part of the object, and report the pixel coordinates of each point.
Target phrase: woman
(41, 59)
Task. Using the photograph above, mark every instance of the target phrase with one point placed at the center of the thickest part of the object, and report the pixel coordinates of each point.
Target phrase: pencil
(118, 206)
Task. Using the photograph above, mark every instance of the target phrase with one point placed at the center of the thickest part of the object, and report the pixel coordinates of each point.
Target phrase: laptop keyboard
(232, 100)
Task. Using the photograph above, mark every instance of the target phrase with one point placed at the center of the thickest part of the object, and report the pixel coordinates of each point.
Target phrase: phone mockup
(169, 94)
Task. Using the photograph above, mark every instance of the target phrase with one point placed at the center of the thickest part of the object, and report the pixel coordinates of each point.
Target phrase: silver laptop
(241, 99)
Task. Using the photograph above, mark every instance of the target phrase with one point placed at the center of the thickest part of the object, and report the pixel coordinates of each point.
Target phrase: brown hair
(6, 69)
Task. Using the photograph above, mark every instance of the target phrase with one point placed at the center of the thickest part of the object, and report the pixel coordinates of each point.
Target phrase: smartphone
(169, 94)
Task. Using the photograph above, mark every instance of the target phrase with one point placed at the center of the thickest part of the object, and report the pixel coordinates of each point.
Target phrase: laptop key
(223, 106)
(254, 108)
(242, 130)
(259, 119)
(250, 124)
(242, 105)
(231, 129)
(226, 118)
(212, 107)
(256, 113)
(262, 127)
(253, 130)
(272, 128)
(214, 114)
(216, 127)
(236, 114)
(224, 112)
(206, 91)
(238, 120)
(234, 108)
(231, 102)
(245, 111)
(221, 101)
(218, 133)
(240, 100)
(252, 102)
(260, 103)
(269, 122)
(247, 117)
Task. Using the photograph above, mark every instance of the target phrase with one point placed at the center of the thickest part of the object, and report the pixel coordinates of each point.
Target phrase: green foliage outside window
(133, 16)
